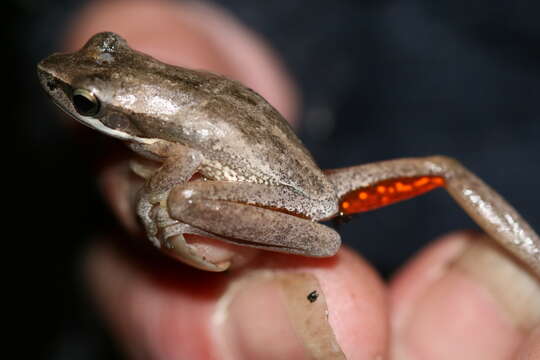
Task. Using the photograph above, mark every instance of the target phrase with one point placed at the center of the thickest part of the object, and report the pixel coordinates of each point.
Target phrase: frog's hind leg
(250, 215)
(367, 187)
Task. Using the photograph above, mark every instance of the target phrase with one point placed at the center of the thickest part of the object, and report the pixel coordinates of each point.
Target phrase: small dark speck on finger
(312, 296)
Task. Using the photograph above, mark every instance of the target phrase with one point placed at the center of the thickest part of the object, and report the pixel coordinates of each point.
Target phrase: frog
(216, 160)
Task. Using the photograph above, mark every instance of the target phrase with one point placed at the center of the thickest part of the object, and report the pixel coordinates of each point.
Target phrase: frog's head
(95, 85)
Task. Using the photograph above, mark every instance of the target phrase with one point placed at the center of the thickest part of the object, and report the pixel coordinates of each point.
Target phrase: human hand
(442, 305)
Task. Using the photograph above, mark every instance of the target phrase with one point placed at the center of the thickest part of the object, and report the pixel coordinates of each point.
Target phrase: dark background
(379, 79)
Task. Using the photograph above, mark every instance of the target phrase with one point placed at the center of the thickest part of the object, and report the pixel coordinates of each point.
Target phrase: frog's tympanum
(220, 162)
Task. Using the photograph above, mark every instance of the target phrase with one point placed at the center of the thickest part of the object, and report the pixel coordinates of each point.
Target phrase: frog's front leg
(366, 187)
(254, 215)
(177, 165)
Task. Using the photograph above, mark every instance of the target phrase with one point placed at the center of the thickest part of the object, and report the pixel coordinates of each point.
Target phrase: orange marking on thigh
(388, 192)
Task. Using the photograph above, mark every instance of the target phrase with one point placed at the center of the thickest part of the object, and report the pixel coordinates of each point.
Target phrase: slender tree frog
(231, 168)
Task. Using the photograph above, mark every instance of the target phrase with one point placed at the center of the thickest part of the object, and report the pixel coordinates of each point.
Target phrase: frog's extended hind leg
(367, 187)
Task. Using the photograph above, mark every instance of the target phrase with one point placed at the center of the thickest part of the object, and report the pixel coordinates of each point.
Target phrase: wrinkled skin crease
(256, 184)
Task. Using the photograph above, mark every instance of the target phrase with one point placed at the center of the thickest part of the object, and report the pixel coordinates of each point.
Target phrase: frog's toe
(201, 257)
(169, 235)
(149, 217)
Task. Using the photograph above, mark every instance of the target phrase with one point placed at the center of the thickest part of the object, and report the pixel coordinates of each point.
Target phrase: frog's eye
(85, 102)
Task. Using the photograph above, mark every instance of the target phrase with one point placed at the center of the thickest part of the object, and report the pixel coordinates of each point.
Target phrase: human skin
(450, 302)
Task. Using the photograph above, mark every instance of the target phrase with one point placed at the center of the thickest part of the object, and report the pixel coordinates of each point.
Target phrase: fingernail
(485, 302)
(514, 287)
(275, 316)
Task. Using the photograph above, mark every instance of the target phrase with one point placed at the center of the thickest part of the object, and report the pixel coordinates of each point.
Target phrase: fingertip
(412, 281)
(153, 305)
(166, 310)
(464, 290)
(354, 301)
(358, 297)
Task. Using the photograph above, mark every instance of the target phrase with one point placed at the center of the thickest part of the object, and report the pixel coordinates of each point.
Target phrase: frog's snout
(47, 67)
(46, 79)
(53, 86)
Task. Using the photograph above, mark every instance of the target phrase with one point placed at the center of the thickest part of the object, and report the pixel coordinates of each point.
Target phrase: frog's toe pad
(199, 249)
(195, 255)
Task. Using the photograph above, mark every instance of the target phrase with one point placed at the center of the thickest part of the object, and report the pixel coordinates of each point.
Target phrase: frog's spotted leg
(252, 215)
(366, 187)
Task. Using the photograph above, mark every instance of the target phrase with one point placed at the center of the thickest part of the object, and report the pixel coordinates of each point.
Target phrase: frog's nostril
(51, 85)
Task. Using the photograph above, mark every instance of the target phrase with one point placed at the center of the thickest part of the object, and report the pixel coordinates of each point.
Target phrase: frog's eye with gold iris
(85, 102)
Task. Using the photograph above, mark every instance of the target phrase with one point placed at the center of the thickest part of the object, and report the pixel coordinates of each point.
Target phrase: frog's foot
(168, 235)
(175, 245)
(146, 209)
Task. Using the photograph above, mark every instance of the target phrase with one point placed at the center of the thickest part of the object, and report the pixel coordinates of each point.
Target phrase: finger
(463, 298)
(279, 307)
